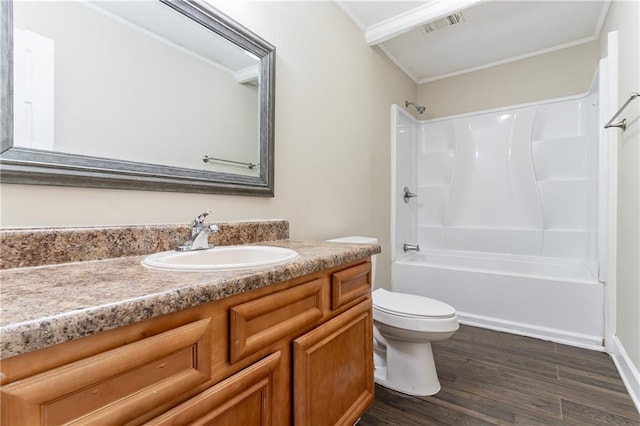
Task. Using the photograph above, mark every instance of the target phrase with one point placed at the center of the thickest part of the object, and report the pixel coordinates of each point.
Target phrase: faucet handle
(407, 195)
(198, 222)
(202, 215)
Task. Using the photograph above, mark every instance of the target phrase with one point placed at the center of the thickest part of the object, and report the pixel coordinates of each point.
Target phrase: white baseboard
(628, 371)
(555, 335)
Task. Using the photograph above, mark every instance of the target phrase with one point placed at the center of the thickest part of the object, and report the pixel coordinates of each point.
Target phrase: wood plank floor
(492, 378)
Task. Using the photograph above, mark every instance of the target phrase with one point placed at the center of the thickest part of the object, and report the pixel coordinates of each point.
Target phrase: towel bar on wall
(621, 124)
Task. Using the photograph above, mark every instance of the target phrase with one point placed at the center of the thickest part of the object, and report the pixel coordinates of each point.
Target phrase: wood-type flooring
(493, 378)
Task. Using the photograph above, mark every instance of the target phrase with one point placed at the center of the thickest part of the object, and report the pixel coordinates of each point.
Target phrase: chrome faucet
(199, 235)
(410, 247)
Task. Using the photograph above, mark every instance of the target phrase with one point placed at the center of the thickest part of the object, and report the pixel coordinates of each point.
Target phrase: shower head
(418, 108)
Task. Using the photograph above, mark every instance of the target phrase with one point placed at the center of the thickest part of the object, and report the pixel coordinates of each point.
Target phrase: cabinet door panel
(333, 370)
(115, 386)
(255, 325)
(243, 399)
(350, 284)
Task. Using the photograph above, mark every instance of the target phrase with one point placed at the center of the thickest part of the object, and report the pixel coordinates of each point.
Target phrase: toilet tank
(361, 240)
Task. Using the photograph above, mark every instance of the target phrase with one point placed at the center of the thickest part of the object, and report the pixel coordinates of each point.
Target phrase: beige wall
(625, 18)
(332, 141)
(561, 73)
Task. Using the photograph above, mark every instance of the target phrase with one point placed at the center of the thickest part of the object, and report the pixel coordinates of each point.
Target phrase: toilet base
(379, 378)
(407, 367)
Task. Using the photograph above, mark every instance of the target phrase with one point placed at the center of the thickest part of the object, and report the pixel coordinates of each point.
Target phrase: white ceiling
(493, 31)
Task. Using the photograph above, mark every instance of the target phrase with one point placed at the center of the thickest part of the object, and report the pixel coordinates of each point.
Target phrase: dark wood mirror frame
(37, 167)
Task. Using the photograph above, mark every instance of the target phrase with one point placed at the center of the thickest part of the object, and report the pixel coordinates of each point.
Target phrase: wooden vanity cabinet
(297, 352)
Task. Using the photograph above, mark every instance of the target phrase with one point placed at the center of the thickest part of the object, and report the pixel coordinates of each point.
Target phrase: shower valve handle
(407, 195)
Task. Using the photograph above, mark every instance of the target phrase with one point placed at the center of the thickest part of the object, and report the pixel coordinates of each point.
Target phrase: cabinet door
(333, 370)
(245, 398)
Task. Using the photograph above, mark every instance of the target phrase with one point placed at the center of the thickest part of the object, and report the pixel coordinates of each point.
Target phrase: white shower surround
(506, 216)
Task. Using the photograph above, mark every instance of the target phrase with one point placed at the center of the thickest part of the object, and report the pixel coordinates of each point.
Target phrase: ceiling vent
(447, 21)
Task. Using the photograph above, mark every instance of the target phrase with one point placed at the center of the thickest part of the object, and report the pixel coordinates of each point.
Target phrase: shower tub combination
(506, 217)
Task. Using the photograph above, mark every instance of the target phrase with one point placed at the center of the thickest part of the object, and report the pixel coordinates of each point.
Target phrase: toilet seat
(413, 313)
(410, 306)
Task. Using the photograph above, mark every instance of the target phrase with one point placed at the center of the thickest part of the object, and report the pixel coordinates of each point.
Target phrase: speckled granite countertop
(46, 305)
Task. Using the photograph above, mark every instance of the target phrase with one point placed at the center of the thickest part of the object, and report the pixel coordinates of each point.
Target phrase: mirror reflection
(134, 81)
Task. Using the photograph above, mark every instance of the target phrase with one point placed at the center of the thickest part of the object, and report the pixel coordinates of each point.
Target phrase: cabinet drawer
(350, 284)
(116, 386)
(245, 398)
(255, 325)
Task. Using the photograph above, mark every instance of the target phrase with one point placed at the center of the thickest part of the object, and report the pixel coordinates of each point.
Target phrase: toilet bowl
(404, 325)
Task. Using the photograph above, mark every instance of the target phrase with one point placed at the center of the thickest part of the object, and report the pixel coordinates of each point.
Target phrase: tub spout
(410, 247)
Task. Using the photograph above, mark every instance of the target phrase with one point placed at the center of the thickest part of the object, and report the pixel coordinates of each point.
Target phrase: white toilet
(404, 325)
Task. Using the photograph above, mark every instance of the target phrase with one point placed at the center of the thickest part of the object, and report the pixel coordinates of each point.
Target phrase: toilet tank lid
(410, 305)
(354, 239)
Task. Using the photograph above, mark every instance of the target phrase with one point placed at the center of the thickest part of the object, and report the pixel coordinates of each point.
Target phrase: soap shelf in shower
(434, 185)
(562, 179)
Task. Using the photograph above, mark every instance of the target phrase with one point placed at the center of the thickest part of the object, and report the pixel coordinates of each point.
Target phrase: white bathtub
(539, 297)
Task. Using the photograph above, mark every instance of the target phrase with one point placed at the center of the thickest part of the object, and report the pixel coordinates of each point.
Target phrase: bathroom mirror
(164, 95)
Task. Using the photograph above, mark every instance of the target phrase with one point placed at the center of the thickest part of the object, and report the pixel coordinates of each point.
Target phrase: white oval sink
(224, 258)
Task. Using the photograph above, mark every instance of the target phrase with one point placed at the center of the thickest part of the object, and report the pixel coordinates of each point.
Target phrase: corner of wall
(628, 371)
